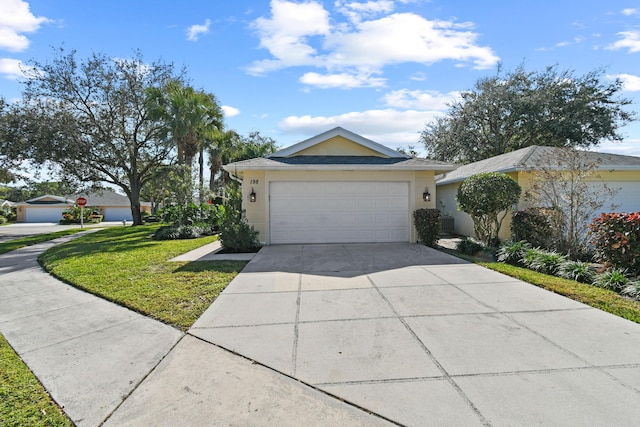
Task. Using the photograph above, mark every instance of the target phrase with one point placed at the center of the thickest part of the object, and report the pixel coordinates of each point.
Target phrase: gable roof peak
(338, 131)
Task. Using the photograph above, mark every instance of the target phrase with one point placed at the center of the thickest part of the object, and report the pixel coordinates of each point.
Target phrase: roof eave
(440, 168)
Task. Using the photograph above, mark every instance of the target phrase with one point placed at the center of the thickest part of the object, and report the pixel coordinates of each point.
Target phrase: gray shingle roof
(104, 198)
(337, 163)
(531, 157)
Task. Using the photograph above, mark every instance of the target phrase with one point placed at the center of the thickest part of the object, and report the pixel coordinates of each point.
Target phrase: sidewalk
(102, 362)
(88, 353)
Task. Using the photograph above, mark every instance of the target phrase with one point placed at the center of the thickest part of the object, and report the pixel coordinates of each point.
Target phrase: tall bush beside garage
(488, 197)
(427, 223)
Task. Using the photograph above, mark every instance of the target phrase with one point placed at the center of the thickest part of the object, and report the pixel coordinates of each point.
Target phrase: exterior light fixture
(252, 196)
(426, 196)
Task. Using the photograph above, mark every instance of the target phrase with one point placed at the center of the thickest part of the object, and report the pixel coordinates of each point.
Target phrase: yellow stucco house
(336, 187)
(618, 172)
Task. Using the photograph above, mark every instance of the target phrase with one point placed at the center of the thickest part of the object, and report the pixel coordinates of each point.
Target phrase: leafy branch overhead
(504, 113)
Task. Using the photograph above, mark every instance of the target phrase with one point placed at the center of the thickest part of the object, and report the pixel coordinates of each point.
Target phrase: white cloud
(390, 127)
(629, 12)
(420, 99)
(630, 40)
(194, 31)
(407, 37)
(13, 68)
(357, 11)
(303, 34)
(341, 80)
(285, 35)
(229, 111)
(16, 19)
(630, 82)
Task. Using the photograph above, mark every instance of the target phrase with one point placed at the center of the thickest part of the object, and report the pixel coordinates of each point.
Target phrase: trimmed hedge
(427, 223)
(616, 238)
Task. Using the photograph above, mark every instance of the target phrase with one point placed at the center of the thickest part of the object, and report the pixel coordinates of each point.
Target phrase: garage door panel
(339, 212)
(37, 214)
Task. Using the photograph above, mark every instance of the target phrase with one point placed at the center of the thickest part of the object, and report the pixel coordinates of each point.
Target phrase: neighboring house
(6, 206)
(45, 208)
(618, 172)
(48, 208)
(337, 187)
(113, 206)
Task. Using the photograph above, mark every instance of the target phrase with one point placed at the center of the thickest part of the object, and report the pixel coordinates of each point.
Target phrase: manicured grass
(14, 244)
(126, 266)
(23, 400)
(603, 299)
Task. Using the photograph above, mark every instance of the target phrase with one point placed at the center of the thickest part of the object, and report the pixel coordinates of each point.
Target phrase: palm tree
(190, 118)
(230, 147)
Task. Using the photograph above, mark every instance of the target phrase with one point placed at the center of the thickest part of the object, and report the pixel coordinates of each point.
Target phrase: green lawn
(23, 400)
(124, 265)
(12, 245)
(603, 299)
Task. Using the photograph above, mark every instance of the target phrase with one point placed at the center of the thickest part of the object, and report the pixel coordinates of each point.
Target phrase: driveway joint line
(558, 346)
(296, 379)
(139, 383)
(296, 329)
(441, 368)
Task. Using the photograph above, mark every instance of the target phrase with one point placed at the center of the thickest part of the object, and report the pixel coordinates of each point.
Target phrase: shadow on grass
(219, 266)
(111, 240)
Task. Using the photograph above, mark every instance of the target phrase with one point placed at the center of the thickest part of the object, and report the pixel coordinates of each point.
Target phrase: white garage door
(34, 214)
(339, 212)
(117, 214)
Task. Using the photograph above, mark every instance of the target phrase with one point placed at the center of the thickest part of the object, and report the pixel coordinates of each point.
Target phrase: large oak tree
(504, 113)
(90, 118)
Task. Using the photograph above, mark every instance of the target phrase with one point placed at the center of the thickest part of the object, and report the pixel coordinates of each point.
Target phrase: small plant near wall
(236, 235)
(427, 223)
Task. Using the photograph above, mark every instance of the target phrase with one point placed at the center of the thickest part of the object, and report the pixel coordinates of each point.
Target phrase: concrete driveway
(422, 338)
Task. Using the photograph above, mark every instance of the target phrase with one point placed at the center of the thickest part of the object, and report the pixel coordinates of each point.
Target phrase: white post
(82, 216)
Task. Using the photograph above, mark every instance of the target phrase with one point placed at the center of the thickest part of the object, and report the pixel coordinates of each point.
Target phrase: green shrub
(427, 222)
(578, 271)
(191, 214)
(542, 261)
(614, 279)
(236, 235)
(533, 225)
(511, 252)
(469, 246)
(616, 239)
(3, 220)
(487, 197)
(173, 232)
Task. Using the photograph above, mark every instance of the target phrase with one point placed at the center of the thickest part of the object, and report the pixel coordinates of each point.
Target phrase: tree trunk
(201, 175)
(134, 197)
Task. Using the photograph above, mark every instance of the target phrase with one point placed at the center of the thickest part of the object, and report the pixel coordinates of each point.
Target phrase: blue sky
(292, 69)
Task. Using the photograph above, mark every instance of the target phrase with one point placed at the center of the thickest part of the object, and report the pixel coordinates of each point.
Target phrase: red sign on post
(81, 201)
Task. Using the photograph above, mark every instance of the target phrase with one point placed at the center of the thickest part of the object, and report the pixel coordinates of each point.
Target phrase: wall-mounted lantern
(252, 196)
(426, 196)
